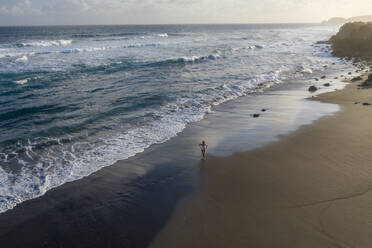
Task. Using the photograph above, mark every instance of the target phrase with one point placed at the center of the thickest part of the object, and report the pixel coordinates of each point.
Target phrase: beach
(310, 189)
(99, 148)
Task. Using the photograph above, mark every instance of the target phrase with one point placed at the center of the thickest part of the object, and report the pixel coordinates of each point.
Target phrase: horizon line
(154, 24)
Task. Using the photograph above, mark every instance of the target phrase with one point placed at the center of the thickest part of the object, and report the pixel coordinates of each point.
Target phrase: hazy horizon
(130, 12)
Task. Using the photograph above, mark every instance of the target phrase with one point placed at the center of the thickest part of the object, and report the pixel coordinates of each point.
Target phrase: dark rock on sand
(368, 82)
(366, 104)
(356, 102)
(369, 79)
(316, 79)
(356, 79)
(323, 77)
(349, 73)
(256, 115)
(327, 84)
(263, 110)
(313, 88)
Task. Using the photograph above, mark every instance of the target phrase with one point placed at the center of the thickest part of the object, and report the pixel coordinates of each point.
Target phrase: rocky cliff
(353, 40)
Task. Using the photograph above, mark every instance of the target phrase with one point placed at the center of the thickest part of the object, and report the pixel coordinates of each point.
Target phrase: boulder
(313, 88)
(368, 82)
(256, 115)
(366, 104)
(323, 77)
(327, 84)
(356, 79)
(369, 79)
(353, 40)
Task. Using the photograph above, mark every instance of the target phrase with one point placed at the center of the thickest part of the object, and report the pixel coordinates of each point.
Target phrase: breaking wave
(45, 43)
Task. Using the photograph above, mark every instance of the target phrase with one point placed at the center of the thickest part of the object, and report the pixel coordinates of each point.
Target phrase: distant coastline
(342, 20)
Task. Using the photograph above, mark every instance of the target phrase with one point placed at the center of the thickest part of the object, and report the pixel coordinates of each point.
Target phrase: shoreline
(309, 189)
(121, 205)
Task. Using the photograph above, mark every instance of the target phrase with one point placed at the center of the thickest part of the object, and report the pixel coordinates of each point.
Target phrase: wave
(22, 59)
(304, 70)
(252, 47)
(102, 48)
(164, 35)
(27, 80)
(108, 35)
(187, 59)
(50, 162)
(45, 43)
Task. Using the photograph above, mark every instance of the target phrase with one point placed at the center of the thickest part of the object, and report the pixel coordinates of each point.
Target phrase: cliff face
(353, 40)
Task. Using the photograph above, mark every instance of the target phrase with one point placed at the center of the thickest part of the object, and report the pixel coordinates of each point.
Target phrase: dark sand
(312, 188)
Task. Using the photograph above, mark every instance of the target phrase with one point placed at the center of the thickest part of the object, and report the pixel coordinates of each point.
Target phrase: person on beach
(203, 147)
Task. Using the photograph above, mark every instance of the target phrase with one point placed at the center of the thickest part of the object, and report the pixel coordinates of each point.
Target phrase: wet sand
(313, 188)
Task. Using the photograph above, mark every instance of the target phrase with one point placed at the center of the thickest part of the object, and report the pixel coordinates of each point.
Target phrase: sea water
(75, 99)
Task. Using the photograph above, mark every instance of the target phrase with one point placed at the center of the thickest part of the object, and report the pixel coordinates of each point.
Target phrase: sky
(70, 12)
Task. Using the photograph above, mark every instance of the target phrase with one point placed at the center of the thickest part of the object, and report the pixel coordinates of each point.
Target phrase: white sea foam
(165, 35)
(21, 82)
(197, 58)
(22, 59)
(25, 81)
(45, 43)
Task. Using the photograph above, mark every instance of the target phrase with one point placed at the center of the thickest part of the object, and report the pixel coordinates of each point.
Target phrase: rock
(323, 77)
(366, 104)
(356, 79)
(263, 110)
(353, 40)
(369, 79)
(368, 82)
(313, 88)
(256, 115)
(356, 102)
(349, 73)
(336, 78)
(316, 79)
(327, 84)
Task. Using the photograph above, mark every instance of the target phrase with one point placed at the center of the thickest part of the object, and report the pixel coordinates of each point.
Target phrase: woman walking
(203, 147)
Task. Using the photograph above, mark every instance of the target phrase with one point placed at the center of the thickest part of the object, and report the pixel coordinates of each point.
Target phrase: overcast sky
(51, 12)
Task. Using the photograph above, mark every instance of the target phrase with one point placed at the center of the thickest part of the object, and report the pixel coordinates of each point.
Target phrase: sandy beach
(310, 189)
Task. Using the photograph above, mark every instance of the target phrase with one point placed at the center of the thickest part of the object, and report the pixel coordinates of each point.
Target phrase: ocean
(75, 99)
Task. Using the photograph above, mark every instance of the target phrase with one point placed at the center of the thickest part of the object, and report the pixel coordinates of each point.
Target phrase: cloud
(19, 8)
(175, 11)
